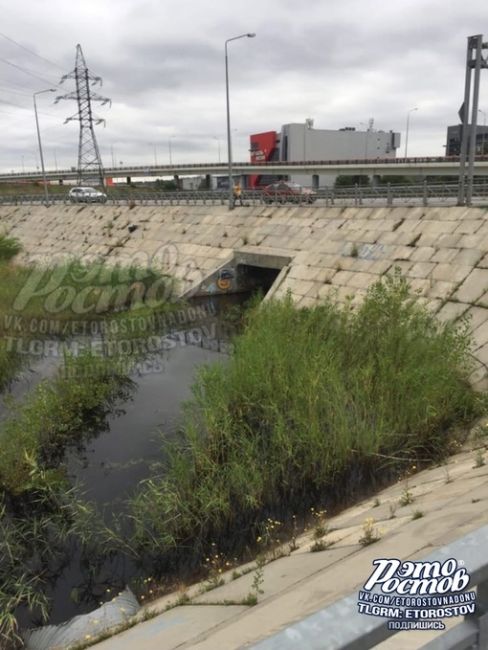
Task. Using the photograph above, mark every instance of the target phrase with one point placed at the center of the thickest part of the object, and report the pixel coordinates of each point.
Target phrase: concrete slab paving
(452, 500)
(173, 629)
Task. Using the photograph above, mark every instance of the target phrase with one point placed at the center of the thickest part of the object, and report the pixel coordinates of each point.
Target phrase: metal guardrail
(341, 627)
(356, 195)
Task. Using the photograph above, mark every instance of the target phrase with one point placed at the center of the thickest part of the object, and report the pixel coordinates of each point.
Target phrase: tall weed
(314, 406)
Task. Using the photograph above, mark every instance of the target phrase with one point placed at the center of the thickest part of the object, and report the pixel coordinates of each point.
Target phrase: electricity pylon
(90, 168)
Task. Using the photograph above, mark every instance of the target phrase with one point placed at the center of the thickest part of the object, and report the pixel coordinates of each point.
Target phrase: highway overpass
(426, 166)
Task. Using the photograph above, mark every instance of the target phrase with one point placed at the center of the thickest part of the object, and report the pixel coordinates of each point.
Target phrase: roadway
(412, 194)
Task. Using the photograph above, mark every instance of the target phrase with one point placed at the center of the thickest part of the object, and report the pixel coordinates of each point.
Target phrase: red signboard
(263, 146)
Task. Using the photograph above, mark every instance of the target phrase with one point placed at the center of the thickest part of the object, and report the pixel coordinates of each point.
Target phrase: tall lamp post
(218, 145)
(229, 143)
(407, 129)
(40, 92)
(170, 149)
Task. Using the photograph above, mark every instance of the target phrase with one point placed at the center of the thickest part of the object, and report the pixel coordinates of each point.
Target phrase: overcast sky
(340, 62)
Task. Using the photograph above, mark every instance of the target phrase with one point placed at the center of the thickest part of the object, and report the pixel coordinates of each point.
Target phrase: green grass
(9, 247)
(59, 296)
(55, 414)
(314, 407)
(40, 514)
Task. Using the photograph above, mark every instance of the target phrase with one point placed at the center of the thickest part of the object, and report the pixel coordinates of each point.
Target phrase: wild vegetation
(314, 406)
(42, 517)
(46, 302)
(56, 414)
(40, 513)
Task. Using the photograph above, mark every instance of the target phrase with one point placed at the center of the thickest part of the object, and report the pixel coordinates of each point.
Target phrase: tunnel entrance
(251, 278)
(259, 270)
(244, 273)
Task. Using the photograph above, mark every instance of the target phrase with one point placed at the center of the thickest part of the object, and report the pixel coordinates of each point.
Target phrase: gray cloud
(340, 62)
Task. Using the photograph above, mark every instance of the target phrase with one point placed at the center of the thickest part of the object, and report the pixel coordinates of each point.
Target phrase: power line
(25, 108)
(43, 58)
(5, 89)
(4, 101)
(32, 74)
(14, 83)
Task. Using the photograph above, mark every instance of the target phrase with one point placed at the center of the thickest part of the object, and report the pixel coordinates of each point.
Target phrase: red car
(287, 192)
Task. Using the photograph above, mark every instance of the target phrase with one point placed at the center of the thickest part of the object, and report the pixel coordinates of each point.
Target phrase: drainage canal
(122, 451)
(110, 461)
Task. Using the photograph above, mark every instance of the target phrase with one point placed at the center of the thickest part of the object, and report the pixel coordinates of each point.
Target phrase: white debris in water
(83, 627)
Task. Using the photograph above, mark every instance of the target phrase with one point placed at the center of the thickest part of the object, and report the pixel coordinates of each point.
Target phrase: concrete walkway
(452, 500)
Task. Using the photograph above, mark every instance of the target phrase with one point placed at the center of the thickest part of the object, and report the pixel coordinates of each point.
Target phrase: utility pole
(229, 141)
(89, 159)
(474, 62)
(44, 179)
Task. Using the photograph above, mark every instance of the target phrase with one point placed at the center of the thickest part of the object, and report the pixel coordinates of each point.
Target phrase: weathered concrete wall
(334, 251)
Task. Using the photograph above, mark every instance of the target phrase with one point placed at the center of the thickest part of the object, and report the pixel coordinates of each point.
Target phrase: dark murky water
(117, 460)
(110, 466)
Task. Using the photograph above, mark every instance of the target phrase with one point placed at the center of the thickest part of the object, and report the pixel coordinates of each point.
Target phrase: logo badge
(416, 595)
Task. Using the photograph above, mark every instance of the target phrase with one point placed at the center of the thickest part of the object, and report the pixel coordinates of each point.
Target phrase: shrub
(56, 414)
(40, 515)
(314, 406)
(9, 247)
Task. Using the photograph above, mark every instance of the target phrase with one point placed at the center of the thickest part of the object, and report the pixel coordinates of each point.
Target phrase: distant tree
(165, 186)
(395, 180)
(350, 181)
(439, 179)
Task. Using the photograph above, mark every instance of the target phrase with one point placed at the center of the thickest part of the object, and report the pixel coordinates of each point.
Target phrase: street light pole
(170, 151)
(39, 92)
(229, 143)
(407, 129)
(218, 145)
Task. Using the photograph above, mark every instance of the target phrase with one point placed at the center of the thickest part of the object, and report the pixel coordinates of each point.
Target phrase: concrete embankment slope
(445, 503)
(326, 251)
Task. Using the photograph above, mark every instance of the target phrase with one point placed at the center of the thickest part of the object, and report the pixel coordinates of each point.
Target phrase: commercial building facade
(455, 135)
(301, 142)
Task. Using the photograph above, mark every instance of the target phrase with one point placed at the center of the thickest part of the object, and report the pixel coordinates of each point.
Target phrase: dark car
(288, 192)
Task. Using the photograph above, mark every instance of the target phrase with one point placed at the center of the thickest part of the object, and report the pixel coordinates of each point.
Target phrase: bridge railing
(341, 627)
(151, 169)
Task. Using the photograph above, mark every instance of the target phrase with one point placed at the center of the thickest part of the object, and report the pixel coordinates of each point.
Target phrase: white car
(86, 195)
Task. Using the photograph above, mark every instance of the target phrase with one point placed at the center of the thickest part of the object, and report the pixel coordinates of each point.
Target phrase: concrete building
(301, 142)
(454, 137)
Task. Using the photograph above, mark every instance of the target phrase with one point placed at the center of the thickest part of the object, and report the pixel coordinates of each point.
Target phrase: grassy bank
(63, 300)
(40, 514)
(315, 406)
(56, 414)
